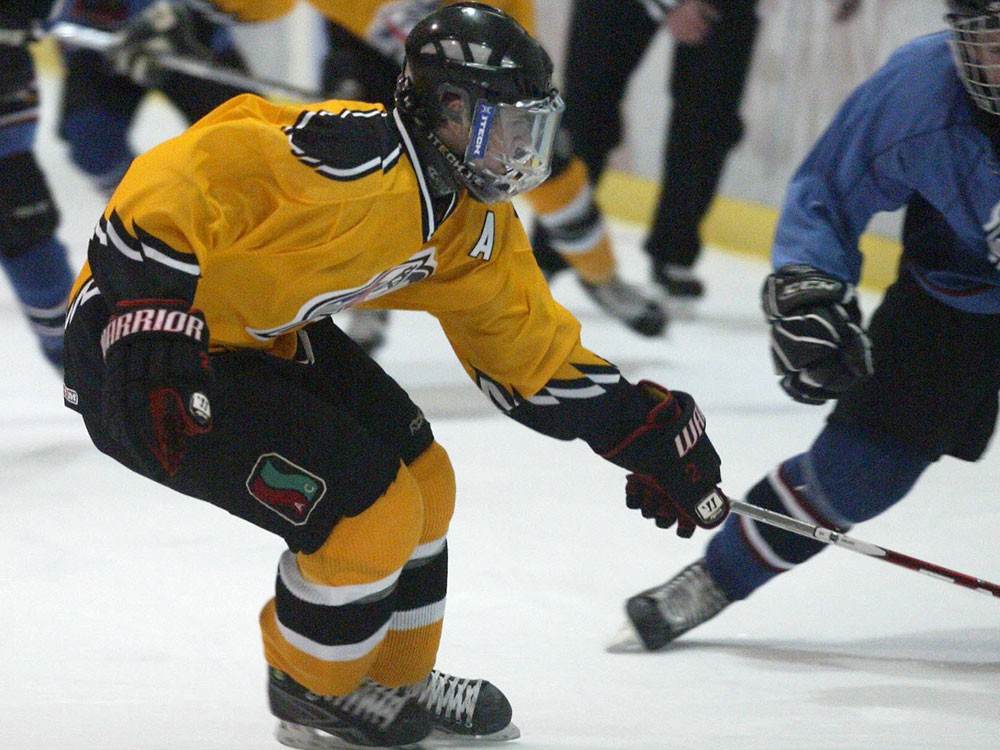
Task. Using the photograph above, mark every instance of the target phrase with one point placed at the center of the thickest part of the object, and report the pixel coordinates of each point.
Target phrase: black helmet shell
(474, 47)
(972, 7)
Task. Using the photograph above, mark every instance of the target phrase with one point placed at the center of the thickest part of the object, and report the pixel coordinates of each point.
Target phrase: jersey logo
(346, 145)
(416, 268)
(285, 488)
(484, 245)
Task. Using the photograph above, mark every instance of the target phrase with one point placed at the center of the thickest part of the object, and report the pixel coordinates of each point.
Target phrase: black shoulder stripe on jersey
(344, 146)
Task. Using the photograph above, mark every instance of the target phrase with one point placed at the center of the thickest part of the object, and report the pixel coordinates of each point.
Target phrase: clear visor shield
(975, 44)
(510, 145)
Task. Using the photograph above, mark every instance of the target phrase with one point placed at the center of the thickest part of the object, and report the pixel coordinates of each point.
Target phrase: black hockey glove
(167, 27)
(675, 467)
(157, 380)
(817, 343)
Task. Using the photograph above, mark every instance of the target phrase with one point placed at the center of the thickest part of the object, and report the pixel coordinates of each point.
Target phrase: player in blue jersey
(33, 258)
(920, 381)
(102, 92)
(99, 104)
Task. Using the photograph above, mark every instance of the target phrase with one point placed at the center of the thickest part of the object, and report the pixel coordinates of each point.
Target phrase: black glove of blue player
(674, 464)
(157, 380)
(817, 342)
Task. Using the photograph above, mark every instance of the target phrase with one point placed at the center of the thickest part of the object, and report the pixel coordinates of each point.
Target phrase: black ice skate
(678, 281)
(661, 614)
(464, 709)
(629, 304)
(371, 716)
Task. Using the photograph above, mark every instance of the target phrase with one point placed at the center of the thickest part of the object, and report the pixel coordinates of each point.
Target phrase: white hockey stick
(85, 37)
(828, 536)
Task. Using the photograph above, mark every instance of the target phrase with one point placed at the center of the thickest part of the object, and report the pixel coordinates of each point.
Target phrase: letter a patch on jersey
(287, 489)
(484, 245)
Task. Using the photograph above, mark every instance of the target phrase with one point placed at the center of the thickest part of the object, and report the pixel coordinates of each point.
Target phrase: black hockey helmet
(480, 88)
(972, 7)
(975, 45)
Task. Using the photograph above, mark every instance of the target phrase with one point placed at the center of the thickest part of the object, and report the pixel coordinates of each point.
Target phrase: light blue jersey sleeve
(909, 129)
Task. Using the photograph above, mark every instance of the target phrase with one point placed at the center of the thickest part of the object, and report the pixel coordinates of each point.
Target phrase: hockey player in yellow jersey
(201, 354)
(365, 48)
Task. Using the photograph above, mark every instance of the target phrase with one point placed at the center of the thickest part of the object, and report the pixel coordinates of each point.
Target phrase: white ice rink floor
(128, 613)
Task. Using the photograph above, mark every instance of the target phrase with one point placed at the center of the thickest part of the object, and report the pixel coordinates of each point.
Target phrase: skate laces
(447, 697)
(689, 598)
(370, 702)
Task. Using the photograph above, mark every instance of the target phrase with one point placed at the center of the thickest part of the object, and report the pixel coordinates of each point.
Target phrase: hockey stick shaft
(96, 40)
(835, 538)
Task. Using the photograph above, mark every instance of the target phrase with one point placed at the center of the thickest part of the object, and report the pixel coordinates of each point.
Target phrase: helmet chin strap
(407, 103)
(472, 181)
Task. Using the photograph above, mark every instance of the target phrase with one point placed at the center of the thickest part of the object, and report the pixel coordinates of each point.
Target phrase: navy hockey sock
(41, 278)
(98, 145)
(846, 477)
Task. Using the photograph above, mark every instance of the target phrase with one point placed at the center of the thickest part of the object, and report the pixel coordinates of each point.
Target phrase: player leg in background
(100, 105)
(33, 258)
(569, 224)
(934, 393)
(707, 84)
(96, 113)
(605, 44)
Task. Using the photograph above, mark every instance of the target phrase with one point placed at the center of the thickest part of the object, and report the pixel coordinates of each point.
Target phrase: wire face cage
(975, 44)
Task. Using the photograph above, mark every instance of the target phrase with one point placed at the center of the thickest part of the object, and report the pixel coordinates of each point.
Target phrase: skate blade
(684, 308)
(302, 737)
(626, 640)
(440, 738)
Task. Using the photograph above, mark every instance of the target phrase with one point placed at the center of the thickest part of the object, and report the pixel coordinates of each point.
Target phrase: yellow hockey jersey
(269, 216)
